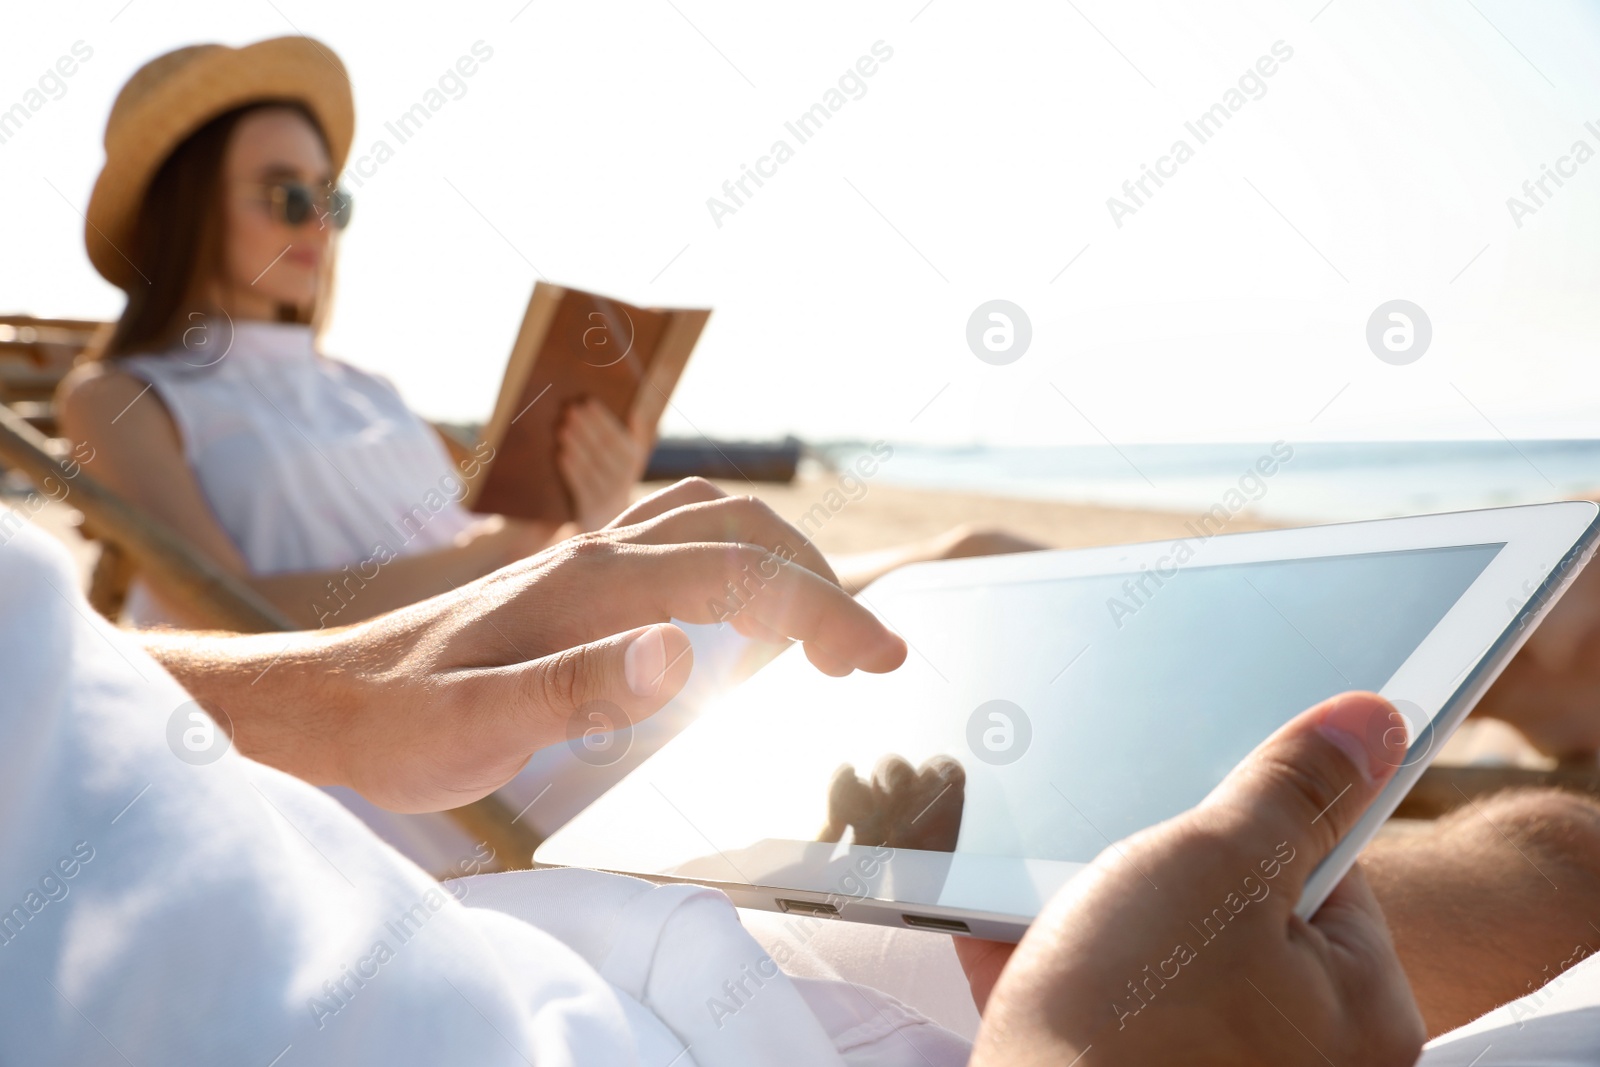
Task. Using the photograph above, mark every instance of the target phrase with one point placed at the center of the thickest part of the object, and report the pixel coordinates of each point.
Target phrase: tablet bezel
(1545, 545)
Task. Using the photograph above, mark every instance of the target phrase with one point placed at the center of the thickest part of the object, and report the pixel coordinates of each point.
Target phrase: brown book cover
(573, 345)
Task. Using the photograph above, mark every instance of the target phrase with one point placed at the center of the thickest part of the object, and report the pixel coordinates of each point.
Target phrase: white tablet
(1054, 702)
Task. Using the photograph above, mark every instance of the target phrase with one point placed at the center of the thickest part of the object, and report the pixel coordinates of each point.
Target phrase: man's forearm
(281, 696)
(442, 702)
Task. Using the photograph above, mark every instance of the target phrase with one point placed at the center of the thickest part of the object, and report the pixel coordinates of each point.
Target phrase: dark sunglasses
(295, 204)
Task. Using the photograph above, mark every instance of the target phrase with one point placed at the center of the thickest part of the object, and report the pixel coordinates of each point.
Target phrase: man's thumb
(1309, 782)
(633, 673)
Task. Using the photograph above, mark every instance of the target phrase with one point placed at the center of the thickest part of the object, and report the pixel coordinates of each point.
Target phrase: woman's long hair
(178, 244)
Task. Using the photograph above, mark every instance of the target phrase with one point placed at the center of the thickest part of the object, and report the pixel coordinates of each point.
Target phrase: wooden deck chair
(35, 354)
(220, 598)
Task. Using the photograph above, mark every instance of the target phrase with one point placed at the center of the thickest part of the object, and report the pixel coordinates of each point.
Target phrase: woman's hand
(600, 459)
(1180, 945)
(437, 704)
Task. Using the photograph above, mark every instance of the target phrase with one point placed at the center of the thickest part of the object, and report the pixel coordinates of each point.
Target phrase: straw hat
(175, 94)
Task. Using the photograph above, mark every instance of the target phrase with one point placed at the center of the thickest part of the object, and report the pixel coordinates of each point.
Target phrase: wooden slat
(42, 322)
(491, 821)
(26, 335)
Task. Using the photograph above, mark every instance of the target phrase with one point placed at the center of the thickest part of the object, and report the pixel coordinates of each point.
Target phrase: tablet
(1052, 703)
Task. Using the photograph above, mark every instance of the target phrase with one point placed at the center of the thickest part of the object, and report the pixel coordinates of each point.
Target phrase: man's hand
(1180, 945)
(440, 703)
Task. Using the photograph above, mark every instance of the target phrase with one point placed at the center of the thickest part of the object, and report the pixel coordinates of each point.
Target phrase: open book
(573, 345)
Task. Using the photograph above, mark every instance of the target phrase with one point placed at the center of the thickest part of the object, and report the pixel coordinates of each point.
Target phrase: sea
(1329, 481)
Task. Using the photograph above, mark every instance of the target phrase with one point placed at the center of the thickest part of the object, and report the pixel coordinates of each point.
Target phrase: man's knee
(1558, 832)
(1492, 901)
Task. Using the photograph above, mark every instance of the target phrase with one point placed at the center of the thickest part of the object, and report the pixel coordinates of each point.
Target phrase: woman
(217, 214)
(211, 407)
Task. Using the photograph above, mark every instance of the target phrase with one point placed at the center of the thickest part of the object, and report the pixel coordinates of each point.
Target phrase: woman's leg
(861, 569)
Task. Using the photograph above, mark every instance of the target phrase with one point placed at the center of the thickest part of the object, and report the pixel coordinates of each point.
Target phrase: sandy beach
(879, 516)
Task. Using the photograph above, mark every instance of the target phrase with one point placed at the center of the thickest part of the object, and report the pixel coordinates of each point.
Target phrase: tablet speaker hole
(808, 907)
(930, 922)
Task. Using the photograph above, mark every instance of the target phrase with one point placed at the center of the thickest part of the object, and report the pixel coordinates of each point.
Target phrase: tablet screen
(1048, 718)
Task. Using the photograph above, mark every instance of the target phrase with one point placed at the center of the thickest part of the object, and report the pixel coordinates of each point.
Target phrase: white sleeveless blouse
(307, 462)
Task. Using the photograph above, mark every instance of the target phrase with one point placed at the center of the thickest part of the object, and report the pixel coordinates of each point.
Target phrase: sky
(984, 158)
